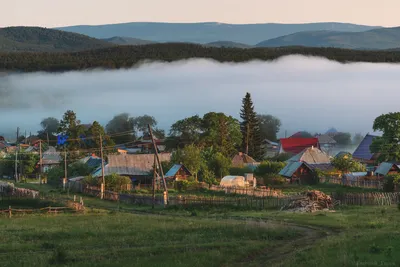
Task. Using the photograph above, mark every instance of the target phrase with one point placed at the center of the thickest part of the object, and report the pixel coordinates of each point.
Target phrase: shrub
(186, 185)
(390, 181)
(239, 171)
(269, 167)
(114, 182)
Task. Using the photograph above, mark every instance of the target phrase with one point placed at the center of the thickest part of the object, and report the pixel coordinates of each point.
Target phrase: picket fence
(249, 191)
(358, 182)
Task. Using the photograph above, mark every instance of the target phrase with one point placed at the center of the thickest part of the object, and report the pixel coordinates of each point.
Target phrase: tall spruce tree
(250, 127)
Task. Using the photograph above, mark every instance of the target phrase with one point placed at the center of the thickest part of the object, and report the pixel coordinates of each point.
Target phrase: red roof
(296, 145)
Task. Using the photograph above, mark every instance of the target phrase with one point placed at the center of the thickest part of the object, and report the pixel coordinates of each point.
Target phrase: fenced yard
(357, 182)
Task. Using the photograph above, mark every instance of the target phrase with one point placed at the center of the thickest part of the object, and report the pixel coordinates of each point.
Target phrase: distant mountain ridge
(118, 40)
(376, 39)
(36, 39)
(207, 32)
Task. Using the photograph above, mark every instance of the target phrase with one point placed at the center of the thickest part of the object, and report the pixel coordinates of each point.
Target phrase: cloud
(305, 93)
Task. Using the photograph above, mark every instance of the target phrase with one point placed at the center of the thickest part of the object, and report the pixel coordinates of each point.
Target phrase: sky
(305, 93)
(54, 13)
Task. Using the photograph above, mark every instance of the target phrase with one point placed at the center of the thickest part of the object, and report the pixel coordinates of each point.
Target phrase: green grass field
(121, 239)
(202, 236)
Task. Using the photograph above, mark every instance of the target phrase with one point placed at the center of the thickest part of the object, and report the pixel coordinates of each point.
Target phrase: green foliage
(239, 171)
(390, 181)
(282, 157)
(71, 127)
(114, 182)
(121, 126)
(55, 174)
(219, 165)
(269, 167)
(250, 128)
(26, 163)
(347, 164)
(388, 145)
(190, 156)
(140, 124)
(35, 39)
(49, 130)
(185, 132)
(208, 177)
(269, 127)
(79, 169)
(185, 185)
(127, 56)
(343, 139)
(93, 135)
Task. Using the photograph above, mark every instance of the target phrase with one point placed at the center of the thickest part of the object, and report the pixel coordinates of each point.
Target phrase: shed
(386, 168)
(178, 172)
(233, 181)
(242, 159)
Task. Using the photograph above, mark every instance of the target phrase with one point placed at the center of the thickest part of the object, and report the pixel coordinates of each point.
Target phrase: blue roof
(363, 151)
(174, 170)
(93, 162)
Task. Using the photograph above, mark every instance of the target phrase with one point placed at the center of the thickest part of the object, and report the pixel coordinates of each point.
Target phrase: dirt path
(277, 255)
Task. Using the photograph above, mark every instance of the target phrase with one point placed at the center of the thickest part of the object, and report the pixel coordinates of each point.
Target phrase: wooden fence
(76, 207)
(371, 199)
(249, 191)
(358, 182)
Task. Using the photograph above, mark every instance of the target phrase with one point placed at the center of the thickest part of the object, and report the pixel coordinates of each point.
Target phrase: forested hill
(127, 56)
(35, 39)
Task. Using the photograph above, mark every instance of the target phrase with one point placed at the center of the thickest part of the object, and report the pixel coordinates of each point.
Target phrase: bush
(269, 167)
(390, 181)
(282, 157)
(55, 174)
(186, 185)
(239, 171)
(114, 182)
(274, 180)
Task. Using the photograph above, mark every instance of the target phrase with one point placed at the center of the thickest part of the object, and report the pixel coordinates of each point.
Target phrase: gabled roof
(312, 155)
(326, 139)
(291, 168)
(131, 164)
(385, 167)
(269, 142)
(242, 159)
(51, 156)
(296, 145)
(174, 170)
(363, 150)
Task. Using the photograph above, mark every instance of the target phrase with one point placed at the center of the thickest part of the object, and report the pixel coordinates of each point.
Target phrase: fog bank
(305, 93)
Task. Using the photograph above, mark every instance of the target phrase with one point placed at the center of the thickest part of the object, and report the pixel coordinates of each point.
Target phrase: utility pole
(65, 168)
(16, 156)
(155, 174)
(159, 165)
(48, 141)
(40, 162)
(103, 183)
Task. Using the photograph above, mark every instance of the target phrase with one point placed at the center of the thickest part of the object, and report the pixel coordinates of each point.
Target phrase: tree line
(128, 56)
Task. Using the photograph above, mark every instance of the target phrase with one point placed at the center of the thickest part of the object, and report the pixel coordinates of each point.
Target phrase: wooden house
(178, 172)
(363, 152)
(387, 168)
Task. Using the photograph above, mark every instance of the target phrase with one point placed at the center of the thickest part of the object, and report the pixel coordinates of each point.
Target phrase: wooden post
(154, 183)
(103, 184)
(65, 168)
(159, 165)
(9, 212)
(40, 162)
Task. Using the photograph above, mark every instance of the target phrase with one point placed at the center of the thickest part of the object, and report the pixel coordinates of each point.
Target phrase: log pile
(310, 201)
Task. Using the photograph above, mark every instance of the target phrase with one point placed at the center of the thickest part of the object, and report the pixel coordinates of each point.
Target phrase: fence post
(9, 212)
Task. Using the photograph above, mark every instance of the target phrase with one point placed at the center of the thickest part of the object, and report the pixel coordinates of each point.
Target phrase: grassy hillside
(127, 41)
(207, 32)
(35, 39)
(127, 56)
(384, 38)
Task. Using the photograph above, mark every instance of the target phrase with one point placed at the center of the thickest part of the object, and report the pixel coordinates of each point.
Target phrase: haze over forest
(305, 93)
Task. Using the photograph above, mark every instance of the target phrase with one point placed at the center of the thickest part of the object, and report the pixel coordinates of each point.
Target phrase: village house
(242, 160)
(302, 167)
(326, 143)
(271, 148)
(50, 159)
(363, 152)
(136, 166)
(387, 168)
(178, 172)
(295, 145)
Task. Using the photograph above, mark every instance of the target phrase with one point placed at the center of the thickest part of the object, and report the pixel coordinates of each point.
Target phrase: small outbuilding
(233, 181)
(387, 168)
(178, 172)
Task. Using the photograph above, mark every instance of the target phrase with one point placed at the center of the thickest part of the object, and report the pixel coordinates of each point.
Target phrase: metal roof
(290, 168)
(326, 139)
(51, 156)
(131, 164)
(173, 171)
(296, 145)
(385, 167)
(311, 155)
(363, 150)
